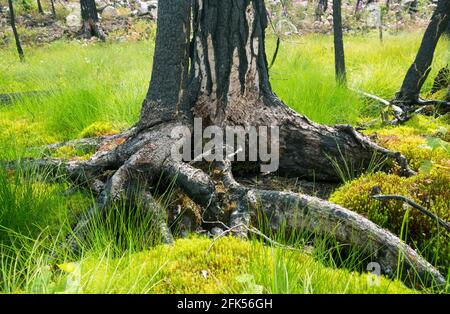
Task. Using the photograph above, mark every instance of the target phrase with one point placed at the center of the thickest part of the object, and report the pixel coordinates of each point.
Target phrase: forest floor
(91, 89)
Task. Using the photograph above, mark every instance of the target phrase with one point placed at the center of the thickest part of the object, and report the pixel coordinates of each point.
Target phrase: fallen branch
(372, 96)
(423, 210)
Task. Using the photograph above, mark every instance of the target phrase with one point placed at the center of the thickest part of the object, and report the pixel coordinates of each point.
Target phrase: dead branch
(423, 210)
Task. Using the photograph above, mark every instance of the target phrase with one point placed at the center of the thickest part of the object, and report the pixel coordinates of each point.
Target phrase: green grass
(303, 75)
(98, 89)
(231, 266)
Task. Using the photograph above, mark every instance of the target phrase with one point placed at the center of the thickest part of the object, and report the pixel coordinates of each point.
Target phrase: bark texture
(408, 95)
(91, 24)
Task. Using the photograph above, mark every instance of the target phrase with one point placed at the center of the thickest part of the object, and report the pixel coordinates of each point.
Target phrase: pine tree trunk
(40, 10)
(419, 70)
(339, 57)
(322, 6)
(91, 24)
(16, 35)
(53, 8)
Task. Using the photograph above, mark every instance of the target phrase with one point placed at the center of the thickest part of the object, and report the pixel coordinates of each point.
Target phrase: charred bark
(40, 10)
(408, 96)
(52, 2)
(91, 24)
(339, 57)
(14, 29)
(322, 6)
(220, 76)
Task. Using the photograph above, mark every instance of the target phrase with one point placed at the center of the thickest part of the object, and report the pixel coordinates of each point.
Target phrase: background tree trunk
(413, 8)
(40, 10)
(339, 57)
(419, 70)
(91, 25)
(322, 6)
(53, 8)
(358, 6)
(16, 35)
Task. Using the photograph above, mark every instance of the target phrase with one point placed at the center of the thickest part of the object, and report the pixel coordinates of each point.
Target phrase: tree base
(127, 165)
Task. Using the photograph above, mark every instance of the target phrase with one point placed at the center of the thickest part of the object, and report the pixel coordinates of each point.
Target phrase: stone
(109, 12)
(73, 20)
(153, 13)
(101, 5)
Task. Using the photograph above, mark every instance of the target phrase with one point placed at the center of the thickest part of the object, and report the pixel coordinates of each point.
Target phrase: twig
(423, 210)
(374, 97)
(251, 230)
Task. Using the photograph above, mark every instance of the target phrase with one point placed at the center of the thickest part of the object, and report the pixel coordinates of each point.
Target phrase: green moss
(98, 129)
(70, 152)
(232, 265)
(411, 138)
(429, 190)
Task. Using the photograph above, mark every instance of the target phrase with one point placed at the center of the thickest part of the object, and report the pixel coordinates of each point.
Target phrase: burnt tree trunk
(40, 10)
(413, 8)
(214, 68)
(408, 95)
(339, 57)
(14, 29)
(358, 6)
(322, 6)
(52, 2)
(91, 24)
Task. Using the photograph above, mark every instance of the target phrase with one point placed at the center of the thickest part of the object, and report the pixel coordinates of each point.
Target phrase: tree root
(303, 212)
(127, 172)
(403, 110)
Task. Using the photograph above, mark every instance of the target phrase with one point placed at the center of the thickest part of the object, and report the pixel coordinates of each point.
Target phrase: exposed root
(405, 170)
(302, 212)
(129, 170)
(402, 110)
(93, 143)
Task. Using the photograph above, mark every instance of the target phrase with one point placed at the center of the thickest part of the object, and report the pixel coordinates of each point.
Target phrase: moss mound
(429, 190)
(232, 266)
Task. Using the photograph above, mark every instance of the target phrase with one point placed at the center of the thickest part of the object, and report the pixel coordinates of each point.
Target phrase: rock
(216, 231)
(142, 7)
(153, 4)
(154, 13)
(101, 5)
(73, 20)
(373, 15)
(148, 7)
(109, 12)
